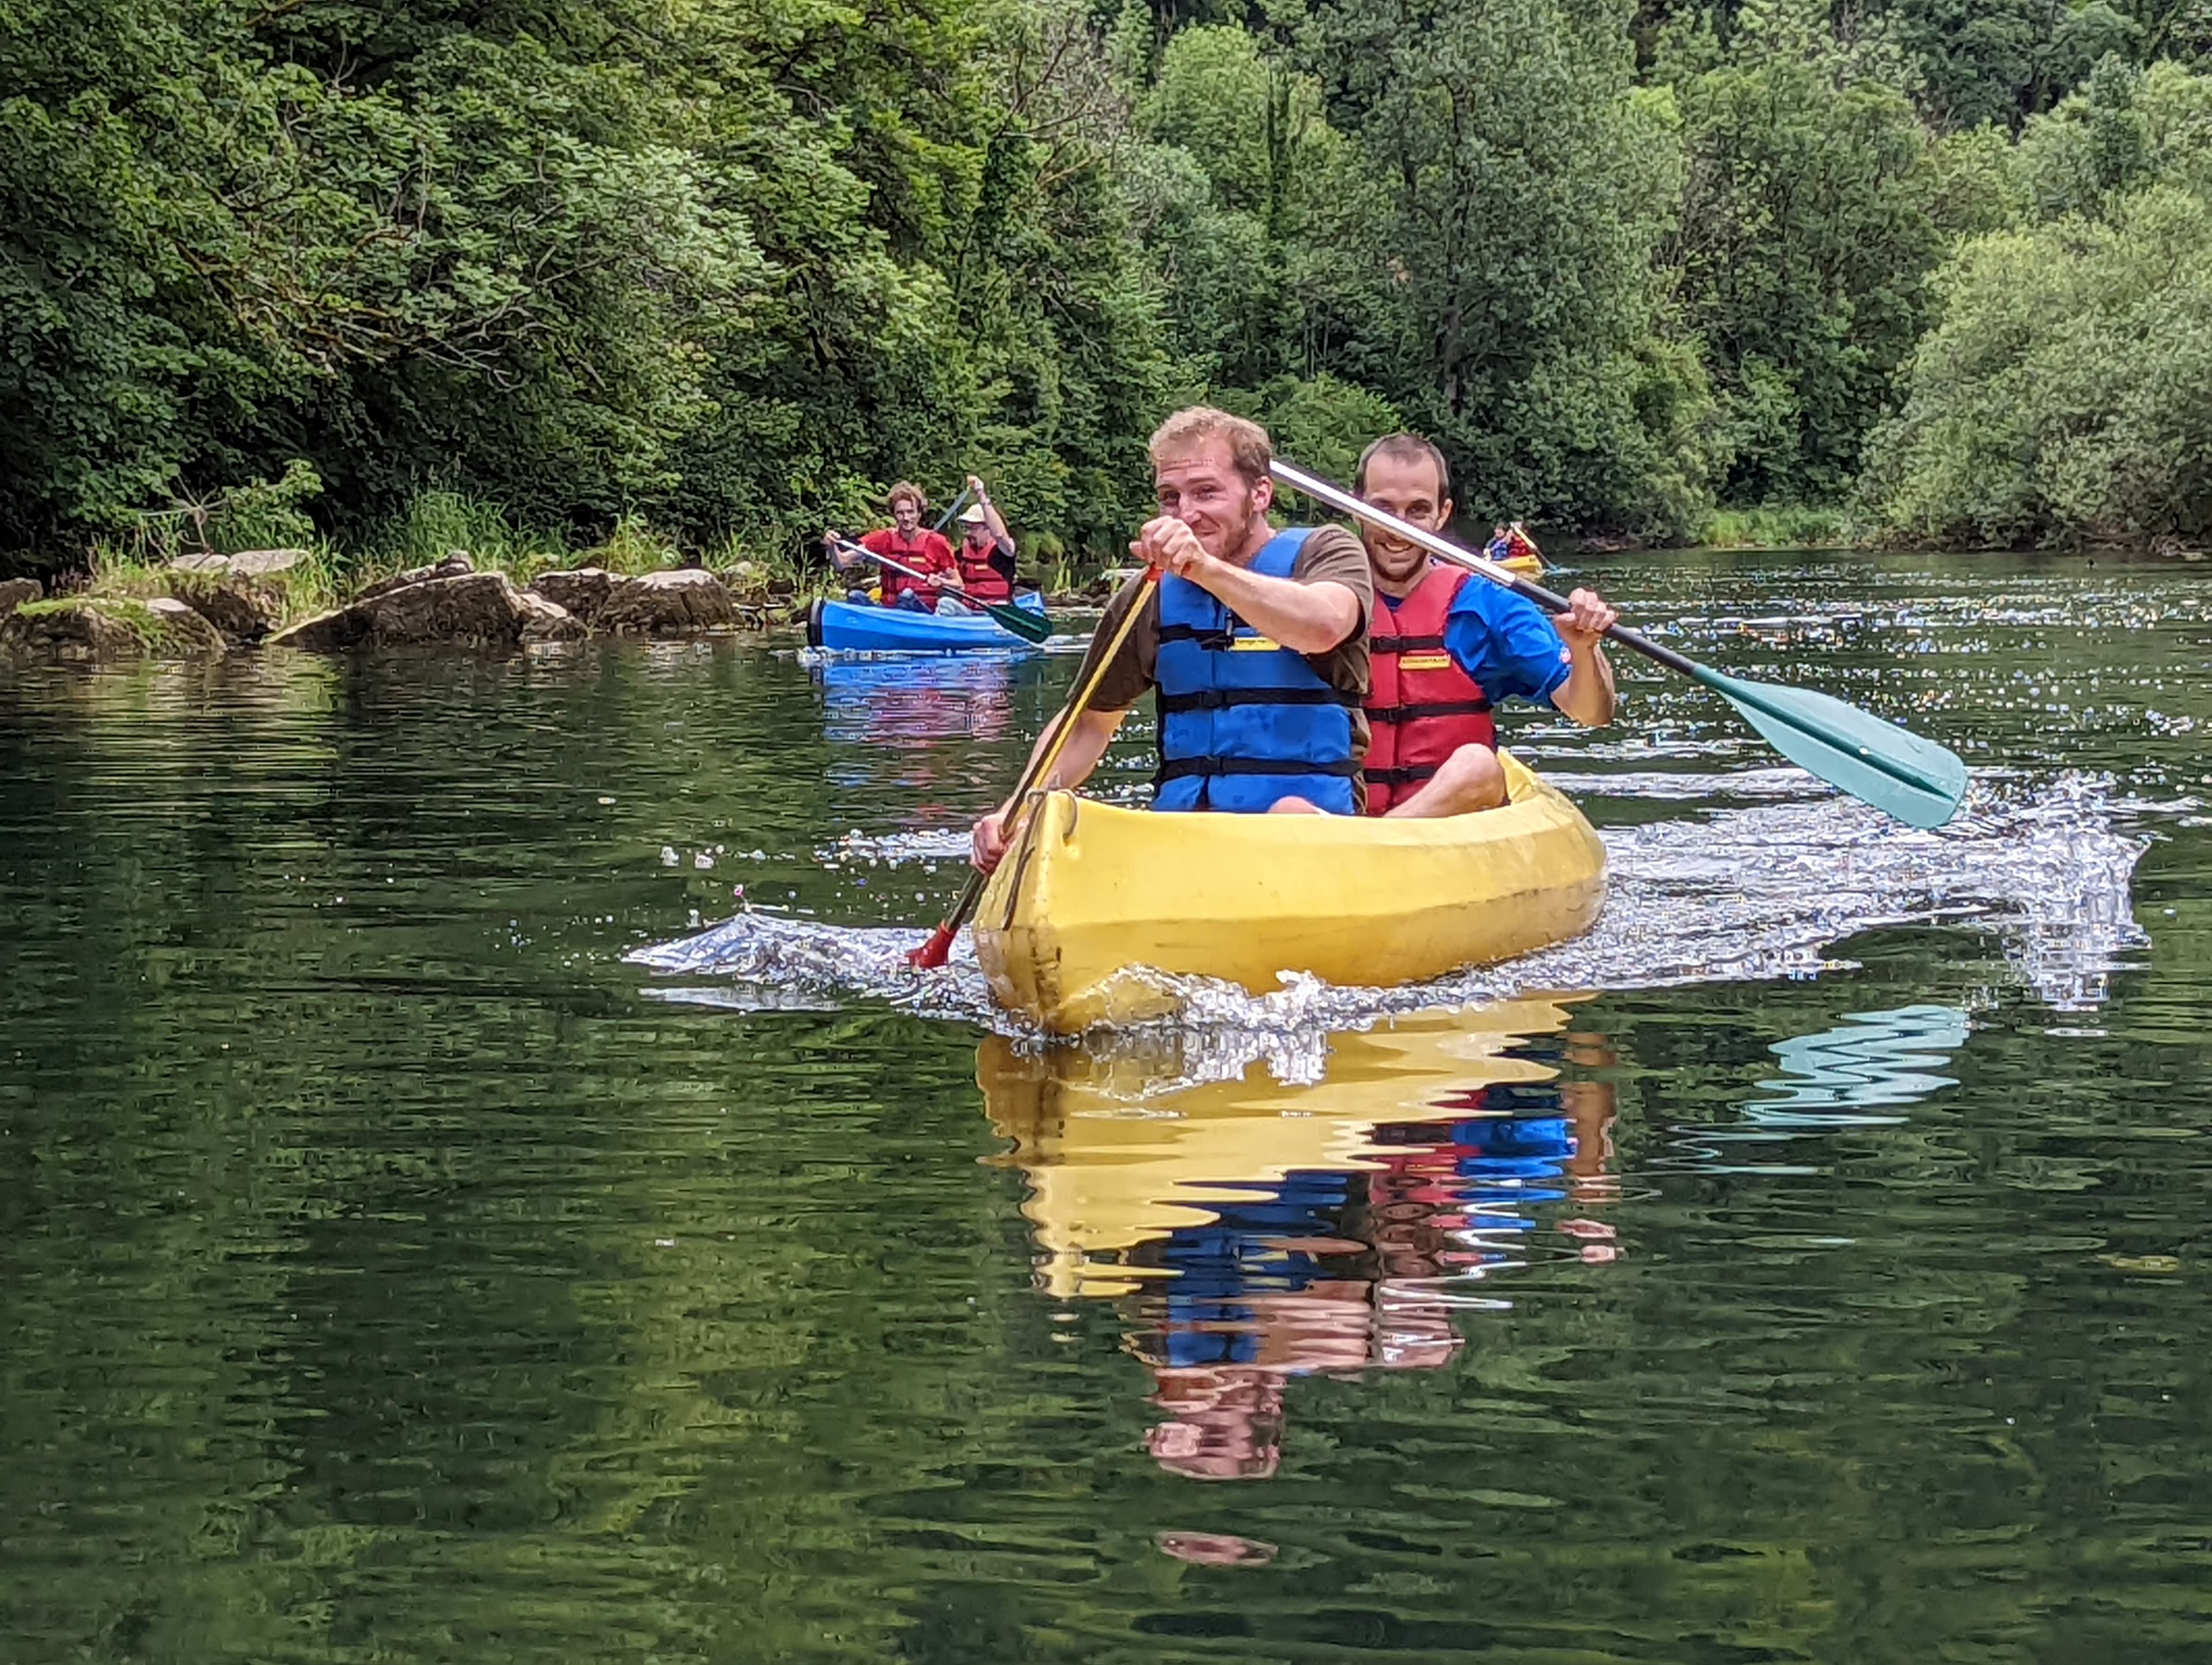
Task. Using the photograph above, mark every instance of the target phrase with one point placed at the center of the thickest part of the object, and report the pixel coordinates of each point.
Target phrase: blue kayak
(858, 628)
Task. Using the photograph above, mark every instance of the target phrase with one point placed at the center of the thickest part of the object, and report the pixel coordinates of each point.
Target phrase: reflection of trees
(383, 1280)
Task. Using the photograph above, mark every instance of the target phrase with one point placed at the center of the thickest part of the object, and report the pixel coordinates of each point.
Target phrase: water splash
(1766, 890)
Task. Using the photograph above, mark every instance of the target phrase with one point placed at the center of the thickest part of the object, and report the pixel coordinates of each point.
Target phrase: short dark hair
(1403, 448)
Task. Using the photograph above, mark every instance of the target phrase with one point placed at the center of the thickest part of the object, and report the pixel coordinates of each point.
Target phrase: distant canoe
(856, 628)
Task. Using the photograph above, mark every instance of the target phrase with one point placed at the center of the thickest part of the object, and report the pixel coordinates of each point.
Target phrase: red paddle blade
(934, 952)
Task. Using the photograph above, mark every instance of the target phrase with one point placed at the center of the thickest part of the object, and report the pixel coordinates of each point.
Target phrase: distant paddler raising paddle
(1445, 647)
(1256, 639)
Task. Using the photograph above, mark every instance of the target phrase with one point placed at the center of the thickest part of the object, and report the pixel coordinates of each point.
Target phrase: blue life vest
(1243, 721)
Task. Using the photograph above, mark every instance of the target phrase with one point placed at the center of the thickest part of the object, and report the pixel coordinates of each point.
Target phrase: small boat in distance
(859, 628)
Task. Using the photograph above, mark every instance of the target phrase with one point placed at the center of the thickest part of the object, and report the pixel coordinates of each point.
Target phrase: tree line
(725, 267)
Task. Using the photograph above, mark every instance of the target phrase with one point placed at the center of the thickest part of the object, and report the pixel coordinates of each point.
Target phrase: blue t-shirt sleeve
(1505, 642)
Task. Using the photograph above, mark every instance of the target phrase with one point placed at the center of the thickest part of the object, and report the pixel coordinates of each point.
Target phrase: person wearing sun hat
(984, 556)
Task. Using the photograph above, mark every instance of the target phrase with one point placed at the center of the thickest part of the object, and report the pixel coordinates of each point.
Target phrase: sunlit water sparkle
(1762, 891)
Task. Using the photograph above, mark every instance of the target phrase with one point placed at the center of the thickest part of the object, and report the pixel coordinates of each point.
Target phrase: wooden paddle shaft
(1041, 765)
(1444, 549)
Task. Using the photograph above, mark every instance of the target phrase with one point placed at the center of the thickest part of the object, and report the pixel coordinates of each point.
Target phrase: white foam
(1751, 892)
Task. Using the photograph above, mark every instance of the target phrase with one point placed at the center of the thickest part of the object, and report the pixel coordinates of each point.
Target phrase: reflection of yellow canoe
(1108, 1167)
(1089, 895)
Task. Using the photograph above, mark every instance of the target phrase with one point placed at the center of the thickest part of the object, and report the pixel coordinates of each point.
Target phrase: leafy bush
(2066, 392)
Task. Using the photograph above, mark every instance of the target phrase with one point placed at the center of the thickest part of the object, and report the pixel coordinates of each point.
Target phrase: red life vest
(1421, 707)
(984, 581)
(928, 553)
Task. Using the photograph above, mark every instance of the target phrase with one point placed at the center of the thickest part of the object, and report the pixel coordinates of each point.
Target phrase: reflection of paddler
(1258, 1252)
(1517, 1148)
(1109, 1167)
(901, 703)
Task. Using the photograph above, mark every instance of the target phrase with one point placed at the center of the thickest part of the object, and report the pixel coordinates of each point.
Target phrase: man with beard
(1446, 645)
(1255, 640)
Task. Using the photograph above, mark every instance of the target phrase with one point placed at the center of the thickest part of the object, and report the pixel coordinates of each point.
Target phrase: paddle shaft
(936, 585)
(1041, 765)
(1444, 549)
(950, 509)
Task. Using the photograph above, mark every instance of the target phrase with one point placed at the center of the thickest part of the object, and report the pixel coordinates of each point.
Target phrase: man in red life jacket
(905, 542)
(984, 556)
(1446, 645)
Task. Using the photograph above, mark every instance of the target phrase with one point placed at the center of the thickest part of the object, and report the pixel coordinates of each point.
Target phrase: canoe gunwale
(1071, 927)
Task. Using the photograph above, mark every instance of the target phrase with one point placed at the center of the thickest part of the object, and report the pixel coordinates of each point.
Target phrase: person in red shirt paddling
(1445, 645)
(905, 542)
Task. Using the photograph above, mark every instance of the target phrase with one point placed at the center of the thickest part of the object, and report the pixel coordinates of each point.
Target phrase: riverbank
(205, 605)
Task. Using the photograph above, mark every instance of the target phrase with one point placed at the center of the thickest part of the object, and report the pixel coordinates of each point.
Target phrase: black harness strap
(1401, 777)
(1222, 699)
(1406, 714)
(1176, 768)
(1402, 644)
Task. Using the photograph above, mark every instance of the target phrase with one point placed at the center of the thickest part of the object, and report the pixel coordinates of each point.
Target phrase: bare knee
(1471, 778)
(1295, 806)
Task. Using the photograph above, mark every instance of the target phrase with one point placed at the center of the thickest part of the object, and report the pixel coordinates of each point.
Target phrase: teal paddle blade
(1031, 627)
(1899, 773)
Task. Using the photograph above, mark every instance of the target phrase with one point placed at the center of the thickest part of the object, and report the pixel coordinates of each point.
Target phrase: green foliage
(1817, 204)
(530, 278)
(1322, 424)
(2068, 391)
(2001, 61)
(1513, 186)
(1777, 526)
(433, 524)
(2126, 127)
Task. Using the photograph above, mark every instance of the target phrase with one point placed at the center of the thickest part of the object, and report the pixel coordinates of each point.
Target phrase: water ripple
(1760, 892)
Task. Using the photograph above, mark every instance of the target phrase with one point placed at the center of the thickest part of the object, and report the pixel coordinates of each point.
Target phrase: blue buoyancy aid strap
(1245, 723)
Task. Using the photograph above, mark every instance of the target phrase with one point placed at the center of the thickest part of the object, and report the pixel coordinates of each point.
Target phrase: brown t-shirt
(1330, 556)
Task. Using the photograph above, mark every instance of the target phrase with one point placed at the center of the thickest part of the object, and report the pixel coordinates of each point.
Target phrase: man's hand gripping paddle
(1916, 781)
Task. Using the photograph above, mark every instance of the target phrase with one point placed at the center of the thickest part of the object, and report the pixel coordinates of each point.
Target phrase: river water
(475, 1183)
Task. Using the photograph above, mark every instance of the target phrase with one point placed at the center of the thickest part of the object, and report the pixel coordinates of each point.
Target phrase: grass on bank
(131, 612)
(134, 565)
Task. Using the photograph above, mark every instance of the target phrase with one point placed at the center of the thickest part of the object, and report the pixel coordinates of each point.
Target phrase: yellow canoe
(1092, 899)
(1112, 1162)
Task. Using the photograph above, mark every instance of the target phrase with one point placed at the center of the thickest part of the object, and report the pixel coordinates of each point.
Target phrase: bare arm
(1588, 694)
(1086, 745)
(991, 518)
(1306, 618)
(1094, 732)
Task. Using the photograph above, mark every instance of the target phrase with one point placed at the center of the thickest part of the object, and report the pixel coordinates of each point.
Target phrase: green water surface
(387, 1273)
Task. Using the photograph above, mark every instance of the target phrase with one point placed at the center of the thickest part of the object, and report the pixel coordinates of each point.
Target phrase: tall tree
(1816, 203)
(1516, 186)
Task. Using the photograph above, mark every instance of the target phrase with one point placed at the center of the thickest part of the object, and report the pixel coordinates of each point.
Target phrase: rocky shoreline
(212, 604)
